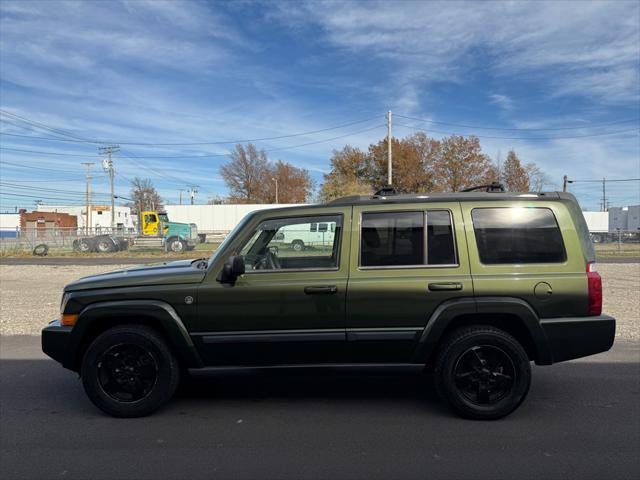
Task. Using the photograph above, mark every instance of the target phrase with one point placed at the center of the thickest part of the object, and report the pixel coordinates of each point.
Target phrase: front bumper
(55, 342)
(576, 337)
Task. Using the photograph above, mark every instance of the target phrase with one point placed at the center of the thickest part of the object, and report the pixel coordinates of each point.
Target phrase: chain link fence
(45, 241)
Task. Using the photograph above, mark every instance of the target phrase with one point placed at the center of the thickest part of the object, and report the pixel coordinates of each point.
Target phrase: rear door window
(417, 238)
(517, 235)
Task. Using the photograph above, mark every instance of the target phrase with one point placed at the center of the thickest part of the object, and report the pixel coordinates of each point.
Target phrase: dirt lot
(30, 295)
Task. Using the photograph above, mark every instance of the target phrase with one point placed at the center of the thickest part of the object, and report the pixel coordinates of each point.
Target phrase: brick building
(43, 224)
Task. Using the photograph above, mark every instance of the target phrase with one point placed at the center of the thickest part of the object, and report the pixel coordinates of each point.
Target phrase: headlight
(63, 302)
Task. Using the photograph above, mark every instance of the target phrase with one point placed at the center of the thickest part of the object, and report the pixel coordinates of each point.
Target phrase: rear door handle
(324, 290)
(437, 287)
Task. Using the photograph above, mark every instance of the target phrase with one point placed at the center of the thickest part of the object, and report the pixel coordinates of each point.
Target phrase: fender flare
(161, 312)
(447, 311)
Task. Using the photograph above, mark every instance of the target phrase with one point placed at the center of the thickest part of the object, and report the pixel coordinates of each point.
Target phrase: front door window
(294, 244)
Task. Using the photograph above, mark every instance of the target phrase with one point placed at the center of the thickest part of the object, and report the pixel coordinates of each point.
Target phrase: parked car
(312, 234)
(471, 286)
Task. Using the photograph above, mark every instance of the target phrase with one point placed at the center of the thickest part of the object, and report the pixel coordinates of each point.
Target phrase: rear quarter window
(517, 235)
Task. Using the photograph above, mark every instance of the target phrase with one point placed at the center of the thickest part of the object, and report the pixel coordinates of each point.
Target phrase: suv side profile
(472, 286)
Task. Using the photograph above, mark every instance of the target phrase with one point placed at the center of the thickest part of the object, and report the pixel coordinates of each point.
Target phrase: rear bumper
(576, 337)
(55, 342)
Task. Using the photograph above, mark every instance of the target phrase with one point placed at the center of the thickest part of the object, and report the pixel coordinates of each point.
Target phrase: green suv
(470, 286)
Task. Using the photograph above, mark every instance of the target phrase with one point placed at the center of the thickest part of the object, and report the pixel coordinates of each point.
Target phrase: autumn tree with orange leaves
(423, 164)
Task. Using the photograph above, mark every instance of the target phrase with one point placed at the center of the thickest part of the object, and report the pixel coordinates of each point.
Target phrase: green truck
(158, 231)
(473, 287)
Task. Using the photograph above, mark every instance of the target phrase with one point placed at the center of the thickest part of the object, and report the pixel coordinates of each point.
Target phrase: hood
(178, 272)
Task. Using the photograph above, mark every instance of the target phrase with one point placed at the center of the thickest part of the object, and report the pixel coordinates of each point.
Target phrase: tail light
(594, 283)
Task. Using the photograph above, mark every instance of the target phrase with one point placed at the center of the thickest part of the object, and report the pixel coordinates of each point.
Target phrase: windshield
(163, 217)
(234, 233)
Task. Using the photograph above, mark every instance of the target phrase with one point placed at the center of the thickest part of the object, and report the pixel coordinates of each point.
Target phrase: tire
(85, 245)
(105, 245)
(176, 245)
(41, 250)
(482, 372)
(154, 370)
(297, 245)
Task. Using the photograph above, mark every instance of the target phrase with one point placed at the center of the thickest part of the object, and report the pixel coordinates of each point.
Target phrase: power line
(53, 190)
(21, 165)
(47, 153)
(608, 180)
(219, 142)
(479, 127)
(206, 155)
(520, 138)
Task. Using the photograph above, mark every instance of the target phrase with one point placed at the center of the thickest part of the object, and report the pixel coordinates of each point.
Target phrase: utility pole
(389, 158)
(87, 221)
(180, 191)
(192, 192)
(276, 180)
(604, 194)
(565, 179)
(107, 164)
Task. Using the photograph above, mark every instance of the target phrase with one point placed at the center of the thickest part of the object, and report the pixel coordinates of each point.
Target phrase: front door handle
(324, 290)
(438, 287)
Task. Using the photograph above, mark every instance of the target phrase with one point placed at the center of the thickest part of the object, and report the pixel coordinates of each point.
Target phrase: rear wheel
(84, 245)
(105, 245)
(482, 372)
(129, 371)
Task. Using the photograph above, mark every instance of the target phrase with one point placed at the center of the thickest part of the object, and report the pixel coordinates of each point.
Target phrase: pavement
(159, 259)
(581, 420)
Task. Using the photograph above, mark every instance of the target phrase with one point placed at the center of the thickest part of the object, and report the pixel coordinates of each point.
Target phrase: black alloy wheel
(127, 372)
(483, 372)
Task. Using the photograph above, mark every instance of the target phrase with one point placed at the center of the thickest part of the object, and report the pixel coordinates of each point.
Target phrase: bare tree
(247, 175)
(251, 178)
(537, 178)
(144, 195)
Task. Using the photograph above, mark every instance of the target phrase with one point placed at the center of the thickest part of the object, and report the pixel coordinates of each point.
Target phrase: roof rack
(385, 191)
(493, 187)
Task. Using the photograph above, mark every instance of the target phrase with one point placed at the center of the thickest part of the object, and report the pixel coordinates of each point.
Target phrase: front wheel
(482, 372)
(176, 245)
(129, 371)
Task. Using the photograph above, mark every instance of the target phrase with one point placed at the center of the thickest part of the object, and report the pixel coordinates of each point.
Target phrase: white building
(99, 216)
(597, 221)
(215, 218)
(9, 224)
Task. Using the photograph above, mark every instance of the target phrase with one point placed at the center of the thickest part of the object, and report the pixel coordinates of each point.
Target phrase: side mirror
(231, 270)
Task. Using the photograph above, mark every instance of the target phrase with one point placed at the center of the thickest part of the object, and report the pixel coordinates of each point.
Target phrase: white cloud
(503, 101)
(585, 48)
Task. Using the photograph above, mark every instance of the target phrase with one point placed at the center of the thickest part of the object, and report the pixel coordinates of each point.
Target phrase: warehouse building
(99, 216)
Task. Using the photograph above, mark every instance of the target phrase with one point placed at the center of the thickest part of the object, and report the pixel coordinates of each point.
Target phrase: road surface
(581, 420)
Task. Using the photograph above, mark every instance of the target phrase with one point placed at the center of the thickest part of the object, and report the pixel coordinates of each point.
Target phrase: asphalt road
(143, 260)
(581, 420)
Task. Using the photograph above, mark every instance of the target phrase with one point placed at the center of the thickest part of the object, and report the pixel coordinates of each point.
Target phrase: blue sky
(188, 72)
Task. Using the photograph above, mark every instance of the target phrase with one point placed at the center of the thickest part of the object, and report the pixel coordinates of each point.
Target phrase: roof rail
(493, 187)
